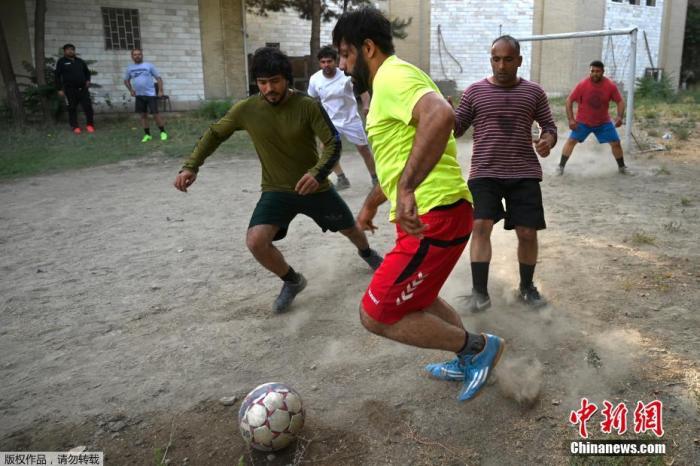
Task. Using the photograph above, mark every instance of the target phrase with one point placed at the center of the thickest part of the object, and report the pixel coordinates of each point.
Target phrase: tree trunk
(14, 98)
(40, 55)
(315, 42)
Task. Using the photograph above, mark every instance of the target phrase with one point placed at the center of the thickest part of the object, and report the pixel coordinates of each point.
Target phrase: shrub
(214, 109)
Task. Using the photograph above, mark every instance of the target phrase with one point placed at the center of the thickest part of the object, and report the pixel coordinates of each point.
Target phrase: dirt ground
(129, 309)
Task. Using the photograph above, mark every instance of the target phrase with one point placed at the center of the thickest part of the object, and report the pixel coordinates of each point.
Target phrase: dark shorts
(603, 133)
(413, 273)
(146, 103)
(523, 201)
(326, 208)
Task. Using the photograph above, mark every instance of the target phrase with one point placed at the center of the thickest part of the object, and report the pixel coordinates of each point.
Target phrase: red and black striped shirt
(502, 118)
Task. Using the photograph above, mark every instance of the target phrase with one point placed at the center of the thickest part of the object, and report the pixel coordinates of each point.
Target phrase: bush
(214, 109)
(32, 93)
(651, 89)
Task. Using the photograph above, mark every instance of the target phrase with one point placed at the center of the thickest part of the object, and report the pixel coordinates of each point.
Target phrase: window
(121, 28)
(651, 2)
(274, 45)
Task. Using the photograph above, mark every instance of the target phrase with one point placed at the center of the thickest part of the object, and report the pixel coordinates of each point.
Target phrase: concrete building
(197, 45)
(200, 46)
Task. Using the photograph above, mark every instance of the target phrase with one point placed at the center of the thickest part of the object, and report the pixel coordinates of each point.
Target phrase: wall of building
(170, 38)
(467, 28)
(616, 52)
(559, 64)
(290, 31)
(415, 48)
(223, 48)
(672, 35)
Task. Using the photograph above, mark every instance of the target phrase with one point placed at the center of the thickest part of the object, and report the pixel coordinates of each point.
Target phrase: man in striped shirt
(502, 108)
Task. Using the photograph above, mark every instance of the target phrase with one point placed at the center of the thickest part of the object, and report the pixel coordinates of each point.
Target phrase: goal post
(632, 33)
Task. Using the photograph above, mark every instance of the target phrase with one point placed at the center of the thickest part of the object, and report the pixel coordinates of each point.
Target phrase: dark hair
(270, 61)
(355, 27)
(510, 39)
(69, 46)
(327, 51)
(135, 49)
(597, 64)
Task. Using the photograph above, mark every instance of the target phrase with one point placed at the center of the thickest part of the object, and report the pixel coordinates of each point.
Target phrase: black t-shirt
(71, 72)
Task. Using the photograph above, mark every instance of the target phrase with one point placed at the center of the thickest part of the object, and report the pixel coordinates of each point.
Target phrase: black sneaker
(478, 302)
(374, 260)
(288, 293)
(342, 183)
(530, 296)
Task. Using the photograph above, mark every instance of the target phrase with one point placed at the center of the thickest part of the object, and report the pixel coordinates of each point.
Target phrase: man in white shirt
(335, 91)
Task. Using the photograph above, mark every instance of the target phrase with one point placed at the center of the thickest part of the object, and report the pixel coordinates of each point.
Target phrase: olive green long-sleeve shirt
(284, 136)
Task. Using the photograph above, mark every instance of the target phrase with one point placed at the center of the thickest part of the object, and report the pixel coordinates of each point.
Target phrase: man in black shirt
(72, 81)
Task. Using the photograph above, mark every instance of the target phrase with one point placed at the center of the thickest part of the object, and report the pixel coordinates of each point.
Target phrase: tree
(39, 55)
(318, 11)
(14, 98)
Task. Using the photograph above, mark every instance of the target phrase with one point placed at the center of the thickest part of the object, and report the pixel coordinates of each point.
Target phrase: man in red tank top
(593, 95)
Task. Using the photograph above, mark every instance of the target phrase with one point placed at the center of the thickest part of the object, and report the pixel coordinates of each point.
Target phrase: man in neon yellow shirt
(409, 126)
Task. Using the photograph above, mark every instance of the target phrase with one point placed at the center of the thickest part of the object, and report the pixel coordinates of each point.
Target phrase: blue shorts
(603, 133)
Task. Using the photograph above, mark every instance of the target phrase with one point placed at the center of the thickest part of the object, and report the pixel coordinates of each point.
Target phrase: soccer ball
(271, 416)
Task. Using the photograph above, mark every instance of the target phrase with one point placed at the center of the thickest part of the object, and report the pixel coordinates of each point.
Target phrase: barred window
(122, 29)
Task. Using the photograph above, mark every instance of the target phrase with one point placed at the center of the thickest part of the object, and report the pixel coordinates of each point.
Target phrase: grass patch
(685, 202)
(53, 148)
(662, 171)
(641, 238)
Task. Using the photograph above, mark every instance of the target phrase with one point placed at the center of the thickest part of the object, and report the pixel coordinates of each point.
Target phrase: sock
(620, 162)
(563, 160)
(365, 252)
(480, 277)
(473, 343)
(526, 273)
(162, 129)
(291, 276)
(147, 131)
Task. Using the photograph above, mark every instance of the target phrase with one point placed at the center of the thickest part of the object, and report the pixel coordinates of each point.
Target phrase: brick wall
(170, 37)
(468, 27)
(292, 32)
(622, 16)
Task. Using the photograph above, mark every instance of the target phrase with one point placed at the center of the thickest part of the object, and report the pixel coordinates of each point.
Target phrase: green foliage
(330, 9)
(398, 27)
(651, 89)
(214, 109)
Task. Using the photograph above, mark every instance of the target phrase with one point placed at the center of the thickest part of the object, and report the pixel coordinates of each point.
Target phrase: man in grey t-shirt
(138, 78)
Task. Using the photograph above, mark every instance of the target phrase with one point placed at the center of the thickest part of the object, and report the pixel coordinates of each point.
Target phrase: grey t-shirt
(141, 76)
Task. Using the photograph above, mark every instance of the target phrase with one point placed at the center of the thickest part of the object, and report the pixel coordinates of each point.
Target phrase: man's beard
(280, 97)
(360, 75)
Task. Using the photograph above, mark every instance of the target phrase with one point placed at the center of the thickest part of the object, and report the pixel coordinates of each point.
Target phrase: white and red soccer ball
(271, 416)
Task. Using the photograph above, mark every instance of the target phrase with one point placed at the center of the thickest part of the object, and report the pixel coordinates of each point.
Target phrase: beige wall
(223, 49)
(416, 47)
(672, 34)
(559, 64)
(14, 23)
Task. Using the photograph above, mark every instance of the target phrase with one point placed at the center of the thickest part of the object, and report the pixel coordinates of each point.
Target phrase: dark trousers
(75, 96)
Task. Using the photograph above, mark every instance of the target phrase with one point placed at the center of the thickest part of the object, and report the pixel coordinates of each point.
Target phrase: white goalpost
(632, 33)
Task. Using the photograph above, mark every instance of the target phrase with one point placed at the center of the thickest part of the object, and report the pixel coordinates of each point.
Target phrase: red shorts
(413, 273)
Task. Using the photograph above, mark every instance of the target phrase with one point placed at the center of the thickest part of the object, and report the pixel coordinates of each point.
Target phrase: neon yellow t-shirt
(397, 87)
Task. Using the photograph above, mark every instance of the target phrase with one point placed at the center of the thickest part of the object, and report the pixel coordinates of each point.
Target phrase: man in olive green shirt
(283, 125)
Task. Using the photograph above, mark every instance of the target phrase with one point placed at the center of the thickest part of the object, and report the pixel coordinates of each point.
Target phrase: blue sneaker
(480, 366)
(451, 371)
